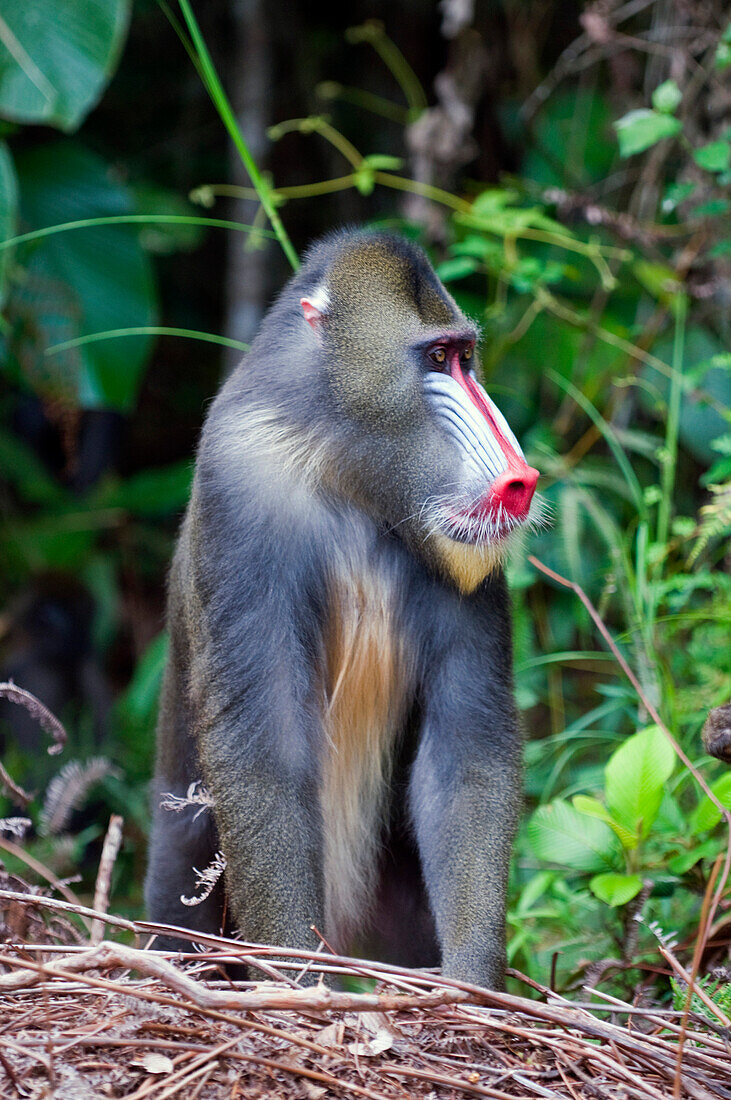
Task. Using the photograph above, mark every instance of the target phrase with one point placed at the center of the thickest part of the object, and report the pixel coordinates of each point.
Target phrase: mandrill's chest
(367, 661)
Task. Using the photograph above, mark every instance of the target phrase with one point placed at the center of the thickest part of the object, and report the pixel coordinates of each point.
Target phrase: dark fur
(242, 702)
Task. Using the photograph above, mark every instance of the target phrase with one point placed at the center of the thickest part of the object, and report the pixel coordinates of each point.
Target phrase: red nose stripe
(471, 389)
(514, 488)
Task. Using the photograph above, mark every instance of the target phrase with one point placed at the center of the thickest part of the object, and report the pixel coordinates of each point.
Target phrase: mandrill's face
(401, 362)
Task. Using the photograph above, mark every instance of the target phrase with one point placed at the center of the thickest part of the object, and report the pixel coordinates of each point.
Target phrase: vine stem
(670, 456)
(132, 219)
(220, 101)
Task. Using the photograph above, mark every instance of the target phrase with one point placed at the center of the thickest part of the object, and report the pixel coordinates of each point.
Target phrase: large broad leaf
(593, 808)
(82, 281)
(635, 779)
(560, 834)
(56, 57)
(8, 209)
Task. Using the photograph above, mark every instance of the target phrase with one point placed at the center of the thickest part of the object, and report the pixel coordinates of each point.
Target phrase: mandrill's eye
(438, 356)
(467, 354)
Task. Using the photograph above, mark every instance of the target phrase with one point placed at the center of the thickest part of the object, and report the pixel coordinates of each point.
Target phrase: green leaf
(683, 862)
(706, 816)
(594, 808)
(701, 414)
(714, 157)
(641, 129)
(712, 208)
(498, 213)
(676, 193)
(56, 58)
(635, 778)
(560, 834)
(572, 127)
(140, 698)
(666, 97)
(456, 268)
(80, 282)
(48, 542)
(8, 210)
(723, 51)
(615, 889)
(481, 248)
(590, 806)
(534, 889)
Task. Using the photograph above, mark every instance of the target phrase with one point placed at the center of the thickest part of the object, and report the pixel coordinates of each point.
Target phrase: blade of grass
(607, 431)
(670, 457)
(225, 111)
(134, 219)
(147, 330)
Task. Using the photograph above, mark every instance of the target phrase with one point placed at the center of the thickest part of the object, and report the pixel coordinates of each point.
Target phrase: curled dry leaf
(155, 1063)
(331, 1036)
(376, 1045)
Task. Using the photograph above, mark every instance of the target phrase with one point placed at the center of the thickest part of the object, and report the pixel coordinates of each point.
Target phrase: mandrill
(339, 674)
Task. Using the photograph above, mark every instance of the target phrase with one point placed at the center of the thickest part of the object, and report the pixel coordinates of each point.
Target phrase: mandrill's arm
(465, 801)
(256, 726)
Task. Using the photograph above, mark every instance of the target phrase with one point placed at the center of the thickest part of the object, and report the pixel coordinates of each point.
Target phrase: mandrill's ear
(314, 309)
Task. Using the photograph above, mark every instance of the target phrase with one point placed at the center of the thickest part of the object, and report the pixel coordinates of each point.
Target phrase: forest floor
(82, 1017)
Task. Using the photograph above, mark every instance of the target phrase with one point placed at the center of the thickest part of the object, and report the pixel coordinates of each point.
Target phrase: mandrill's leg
(465, 798)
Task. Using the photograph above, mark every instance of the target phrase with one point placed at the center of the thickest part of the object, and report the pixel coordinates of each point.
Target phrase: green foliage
(635, 780)
(570, 133)
(86, 281)
(714, 157)
(666, 97)
(641, 129)
(659, 845)
(55, 59)
(558, 833)
(615, 889)
(718, 992)
(723, 50)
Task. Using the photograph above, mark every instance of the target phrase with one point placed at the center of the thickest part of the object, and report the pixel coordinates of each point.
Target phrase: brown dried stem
(47, 721)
